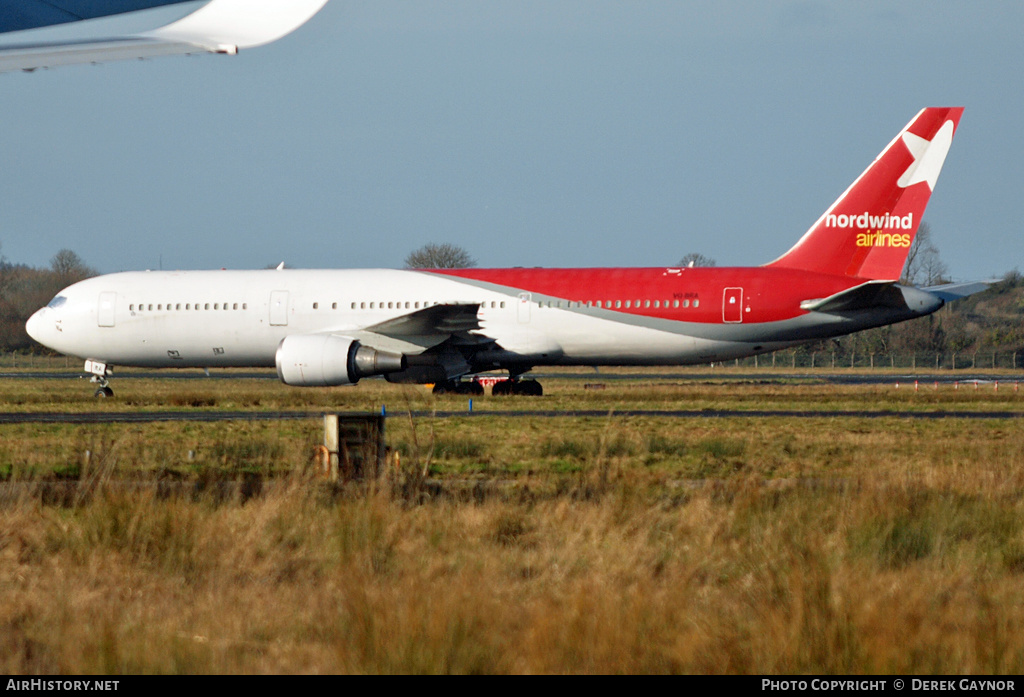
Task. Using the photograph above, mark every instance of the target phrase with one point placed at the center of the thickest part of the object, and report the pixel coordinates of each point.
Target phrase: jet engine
(323, 360)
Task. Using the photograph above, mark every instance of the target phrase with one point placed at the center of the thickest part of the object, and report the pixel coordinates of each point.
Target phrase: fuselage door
(105, 311)
(525, 300)
(732, 305)
(278, 308)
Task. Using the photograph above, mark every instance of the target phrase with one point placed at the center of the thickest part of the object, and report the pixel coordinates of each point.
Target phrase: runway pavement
(946, 377)
(210, 416)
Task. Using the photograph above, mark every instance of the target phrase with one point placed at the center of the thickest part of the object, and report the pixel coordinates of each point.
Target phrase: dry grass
(638, 545)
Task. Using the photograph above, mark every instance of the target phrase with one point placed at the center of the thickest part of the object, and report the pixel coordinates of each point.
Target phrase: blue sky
(532, 133)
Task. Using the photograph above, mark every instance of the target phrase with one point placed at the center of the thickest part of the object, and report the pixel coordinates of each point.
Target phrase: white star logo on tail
(928, 156)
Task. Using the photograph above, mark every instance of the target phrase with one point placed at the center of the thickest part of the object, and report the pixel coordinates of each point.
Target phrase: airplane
(333, 327)
(215, 26)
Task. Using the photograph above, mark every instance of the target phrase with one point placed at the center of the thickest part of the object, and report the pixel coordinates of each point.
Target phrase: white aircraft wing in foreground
(219, 26)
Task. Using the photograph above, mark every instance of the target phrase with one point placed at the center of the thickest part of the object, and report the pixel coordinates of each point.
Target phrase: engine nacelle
(325, 360)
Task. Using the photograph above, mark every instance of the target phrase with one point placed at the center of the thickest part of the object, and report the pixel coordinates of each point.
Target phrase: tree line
(24, 289)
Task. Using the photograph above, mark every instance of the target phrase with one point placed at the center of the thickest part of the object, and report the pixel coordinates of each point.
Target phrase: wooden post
(354, 445)
(331, 443)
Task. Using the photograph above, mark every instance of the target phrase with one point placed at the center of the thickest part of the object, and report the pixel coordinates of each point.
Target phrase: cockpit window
(57, 302)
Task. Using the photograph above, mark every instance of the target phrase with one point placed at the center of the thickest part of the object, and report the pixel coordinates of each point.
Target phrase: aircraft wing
(442, 335)
(446, 319)
(19, 15)
(424, 329)
(220, 26)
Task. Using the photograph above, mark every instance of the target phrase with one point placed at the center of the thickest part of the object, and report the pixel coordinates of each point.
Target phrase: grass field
(499, 544)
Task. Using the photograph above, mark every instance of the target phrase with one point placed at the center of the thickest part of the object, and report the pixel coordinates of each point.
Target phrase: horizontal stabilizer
(954, 291)
(867, 295)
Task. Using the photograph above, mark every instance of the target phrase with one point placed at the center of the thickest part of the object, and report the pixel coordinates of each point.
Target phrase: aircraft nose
(34, 325)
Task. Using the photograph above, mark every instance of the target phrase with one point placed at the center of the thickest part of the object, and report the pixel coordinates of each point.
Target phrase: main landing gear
(512, 386)
(100, 373)
(470, 387)
(515, 386)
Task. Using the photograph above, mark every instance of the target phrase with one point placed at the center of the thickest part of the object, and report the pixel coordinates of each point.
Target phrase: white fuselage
(239, 318)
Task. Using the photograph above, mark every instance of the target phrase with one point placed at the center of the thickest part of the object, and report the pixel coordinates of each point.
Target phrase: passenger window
(131, 308)
(503, 305)
(206, 306)
(372, 305)
(159, 307)
(657, 303)
(245, 306)
(316, 306)
(696, 303)
(235, 306)
(334, 306)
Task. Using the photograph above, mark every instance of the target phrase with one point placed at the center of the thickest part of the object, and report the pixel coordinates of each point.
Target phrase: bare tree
(69, 267)
(696, 259)
(439, 256)
(6, 275)
(923, 266)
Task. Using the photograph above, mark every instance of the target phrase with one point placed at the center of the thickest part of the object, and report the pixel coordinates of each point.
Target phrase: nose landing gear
(100, 373)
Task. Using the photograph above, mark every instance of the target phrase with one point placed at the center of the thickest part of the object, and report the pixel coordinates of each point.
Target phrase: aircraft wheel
(442, 388)
(103, 393)
(533, 388)
(502, 388)
(527, 388)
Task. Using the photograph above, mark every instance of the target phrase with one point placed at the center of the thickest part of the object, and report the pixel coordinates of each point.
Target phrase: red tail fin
(867, 232)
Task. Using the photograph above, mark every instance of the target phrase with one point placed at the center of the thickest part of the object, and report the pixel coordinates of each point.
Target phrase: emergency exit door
(732, 305)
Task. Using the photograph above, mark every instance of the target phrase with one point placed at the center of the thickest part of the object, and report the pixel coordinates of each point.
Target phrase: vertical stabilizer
(868, 231)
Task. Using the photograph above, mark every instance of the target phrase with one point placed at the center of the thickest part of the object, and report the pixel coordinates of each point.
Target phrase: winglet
(954, 291)
(222, 26)
(239, 23)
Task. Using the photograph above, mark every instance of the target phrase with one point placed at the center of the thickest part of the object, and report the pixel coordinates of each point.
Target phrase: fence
(831, 360)
(19, 361)
(827, 360)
